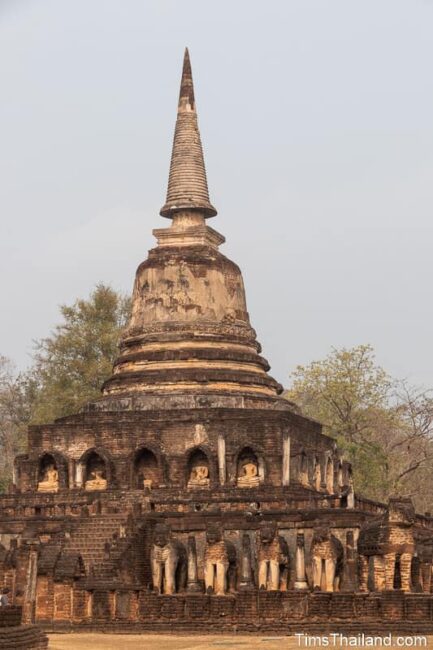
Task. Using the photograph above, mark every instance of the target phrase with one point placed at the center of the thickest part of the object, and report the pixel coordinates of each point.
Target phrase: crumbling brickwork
(191, 494)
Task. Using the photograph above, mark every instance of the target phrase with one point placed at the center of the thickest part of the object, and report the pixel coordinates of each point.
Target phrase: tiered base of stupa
(156, 524)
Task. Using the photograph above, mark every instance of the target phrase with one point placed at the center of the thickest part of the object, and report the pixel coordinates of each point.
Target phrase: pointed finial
(187, 183)
(186, 95)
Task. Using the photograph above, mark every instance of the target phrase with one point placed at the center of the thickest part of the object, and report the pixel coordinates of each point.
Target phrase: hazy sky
(317, 123)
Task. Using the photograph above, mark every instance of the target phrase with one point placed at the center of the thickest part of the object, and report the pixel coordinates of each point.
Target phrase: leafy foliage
(14, 415)
(68, 371)
(71, 364)
(384, 427)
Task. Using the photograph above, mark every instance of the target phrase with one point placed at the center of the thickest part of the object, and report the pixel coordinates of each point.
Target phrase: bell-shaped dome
(189, 332)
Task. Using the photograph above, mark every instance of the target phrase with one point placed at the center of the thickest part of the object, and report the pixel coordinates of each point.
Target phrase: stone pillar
(301, 579)
(79, 475)
(364, 565)
(329, 476)
(351, 496)
(426, 577)
(89, 605)
(71, 473)
(350, 569)
(246, 581)
(192, 583)
(323, 464)
(222, 459)
(30, 592)
(340, 479)
(405, 571)
(286, 460)
(112, 604)
(381, 579)
(317, 475)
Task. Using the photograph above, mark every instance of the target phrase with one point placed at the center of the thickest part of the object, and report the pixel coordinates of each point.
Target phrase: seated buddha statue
(145, 479)
(50, 480)
(199, 476)
(250, 475)
(96, 481)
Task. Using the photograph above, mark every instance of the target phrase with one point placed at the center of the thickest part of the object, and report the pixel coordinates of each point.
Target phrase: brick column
(222, 459)
(301, 579)
(286, 460)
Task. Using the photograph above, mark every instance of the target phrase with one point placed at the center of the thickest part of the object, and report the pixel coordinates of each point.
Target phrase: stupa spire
(187, 183)
(189, 338)
(186, 95)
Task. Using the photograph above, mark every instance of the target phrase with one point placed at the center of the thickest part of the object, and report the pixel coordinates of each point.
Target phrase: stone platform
(255, 612)
(14, 636)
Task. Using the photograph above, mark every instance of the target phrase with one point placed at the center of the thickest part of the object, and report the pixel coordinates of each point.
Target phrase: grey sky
(317, 123)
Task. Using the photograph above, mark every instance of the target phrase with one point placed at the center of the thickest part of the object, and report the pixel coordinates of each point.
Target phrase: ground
(166, 642)
(173, 642)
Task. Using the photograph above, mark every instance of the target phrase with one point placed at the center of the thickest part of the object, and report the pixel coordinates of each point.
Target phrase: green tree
(348, 392)
(71, 364)
(408, 445)
(15, 404)
(384, 427)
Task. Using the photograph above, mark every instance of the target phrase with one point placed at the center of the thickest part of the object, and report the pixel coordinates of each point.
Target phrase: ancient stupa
(192, 495)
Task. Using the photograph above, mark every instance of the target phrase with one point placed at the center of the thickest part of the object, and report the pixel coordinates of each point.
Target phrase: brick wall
(258, 610)
(10, 616)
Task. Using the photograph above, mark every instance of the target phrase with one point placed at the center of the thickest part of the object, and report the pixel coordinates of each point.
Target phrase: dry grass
(166, 642)
(173, 642)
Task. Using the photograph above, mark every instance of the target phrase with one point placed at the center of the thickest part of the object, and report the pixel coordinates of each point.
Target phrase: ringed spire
(187, 182)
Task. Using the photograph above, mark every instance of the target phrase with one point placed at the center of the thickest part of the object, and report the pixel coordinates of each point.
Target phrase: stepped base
(255, 611)
(24, 637)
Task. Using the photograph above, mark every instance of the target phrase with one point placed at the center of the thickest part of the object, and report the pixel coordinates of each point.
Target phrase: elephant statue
(168, 560)
(327, 560)
(273, 559)
(388, 540)
(219, 562)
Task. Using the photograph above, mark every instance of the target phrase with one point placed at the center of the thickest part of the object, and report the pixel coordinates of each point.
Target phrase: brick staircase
(90, 538)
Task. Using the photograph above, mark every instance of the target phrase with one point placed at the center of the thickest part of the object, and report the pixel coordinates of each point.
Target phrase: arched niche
(198, 469)
(94, 470)
(329, 476)
(146, 470)
(250, 470)
(47, 474)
